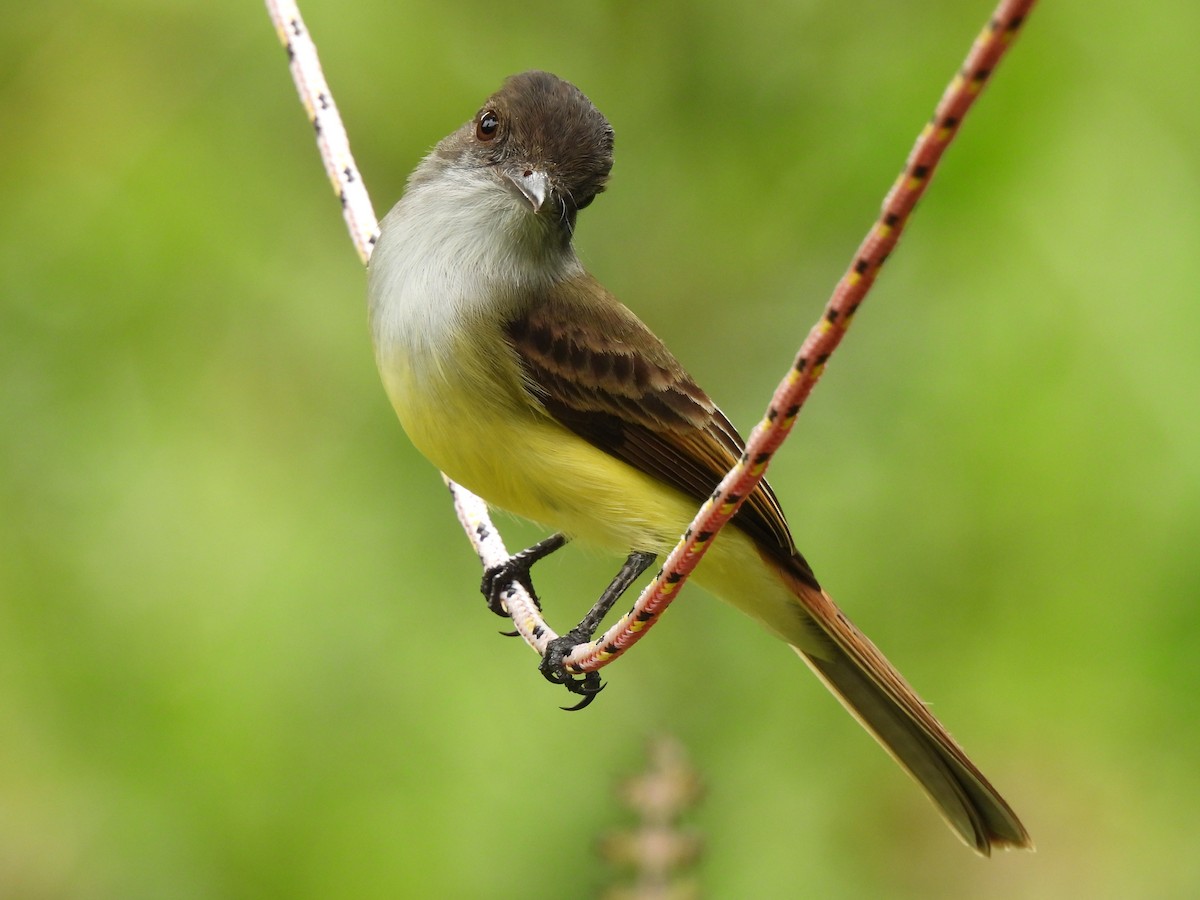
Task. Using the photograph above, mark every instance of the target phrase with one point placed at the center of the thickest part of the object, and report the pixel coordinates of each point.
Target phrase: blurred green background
(241, 648)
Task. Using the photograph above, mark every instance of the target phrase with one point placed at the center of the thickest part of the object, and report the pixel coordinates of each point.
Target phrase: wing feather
(603, 374)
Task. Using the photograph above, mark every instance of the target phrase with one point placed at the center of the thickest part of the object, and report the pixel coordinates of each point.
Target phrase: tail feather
(878, 696)
(971, 806)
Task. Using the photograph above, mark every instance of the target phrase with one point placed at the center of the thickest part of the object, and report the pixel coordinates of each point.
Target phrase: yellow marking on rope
(637, 625)
(818, 371)
(853, 278)
(882, 230)
(944, 134)
(668, 588)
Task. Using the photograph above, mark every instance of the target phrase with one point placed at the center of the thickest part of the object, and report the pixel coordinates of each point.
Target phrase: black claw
(496, 579)
(552, 667)
(586, 684)
(589, 694)
(513, 633)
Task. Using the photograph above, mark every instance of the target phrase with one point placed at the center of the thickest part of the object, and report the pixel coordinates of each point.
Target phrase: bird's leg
(637, 563)
(516, 568)
(589, 684)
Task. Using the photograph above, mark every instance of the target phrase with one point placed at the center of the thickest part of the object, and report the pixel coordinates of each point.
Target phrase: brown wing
(604, 375)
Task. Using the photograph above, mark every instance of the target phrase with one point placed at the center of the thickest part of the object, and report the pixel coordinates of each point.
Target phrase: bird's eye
(488, 125)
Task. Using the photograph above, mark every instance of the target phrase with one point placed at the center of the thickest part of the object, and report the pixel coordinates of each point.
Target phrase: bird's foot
(515, 569)
(553, 668)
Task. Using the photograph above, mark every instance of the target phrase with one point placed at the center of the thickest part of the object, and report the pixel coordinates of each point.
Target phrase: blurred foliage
(241, 648)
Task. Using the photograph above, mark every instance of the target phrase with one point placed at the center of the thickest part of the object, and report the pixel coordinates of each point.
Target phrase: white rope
(364, 231)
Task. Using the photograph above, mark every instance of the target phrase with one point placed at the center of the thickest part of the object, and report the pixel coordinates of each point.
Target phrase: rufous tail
(879, 697)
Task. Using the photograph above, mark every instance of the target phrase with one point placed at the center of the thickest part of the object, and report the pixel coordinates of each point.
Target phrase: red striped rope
(991, 45)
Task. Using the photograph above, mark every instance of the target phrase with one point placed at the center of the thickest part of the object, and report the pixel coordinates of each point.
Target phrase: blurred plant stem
(658, 851)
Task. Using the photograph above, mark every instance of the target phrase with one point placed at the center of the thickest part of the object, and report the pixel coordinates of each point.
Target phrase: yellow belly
(499, 446)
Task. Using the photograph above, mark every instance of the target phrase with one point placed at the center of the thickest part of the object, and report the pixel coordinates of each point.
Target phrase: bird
(521, 377)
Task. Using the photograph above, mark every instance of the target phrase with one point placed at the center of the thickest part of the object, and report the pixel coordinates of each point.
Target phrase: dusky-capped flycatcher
(518, 375)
